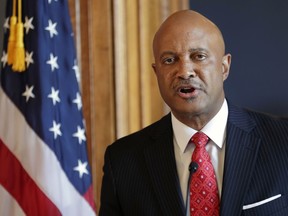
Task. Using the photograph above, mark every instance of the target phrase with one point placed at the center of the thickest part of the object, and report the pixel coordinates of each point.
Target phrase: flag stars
(4, 58)
(51, 28)
(81, 168)
(28, 24)
(76, 70)
(54, 95)
(53, 62)
(28, 92)
(6, 24)
(49, 1)
(56, 129)
(78, 101)
(80, 134)
(56, 99)
(29, 58)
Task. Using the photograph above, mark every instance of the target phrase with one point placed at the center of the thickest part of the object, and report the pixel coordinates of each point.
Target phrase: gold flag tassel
(12, 35)
(19, 51)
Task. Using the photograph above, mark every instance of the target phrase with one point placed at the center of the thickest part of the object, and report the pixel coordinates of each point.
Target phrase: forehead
(188, 30)
(184, 40)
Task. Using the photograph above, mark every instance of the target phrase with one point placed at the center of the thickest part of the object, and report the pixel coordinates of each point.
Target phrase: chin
(189, 110)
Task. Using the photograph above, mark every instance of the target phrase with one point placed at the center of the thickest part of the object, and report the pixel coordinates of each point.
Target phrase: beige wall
(120, 93)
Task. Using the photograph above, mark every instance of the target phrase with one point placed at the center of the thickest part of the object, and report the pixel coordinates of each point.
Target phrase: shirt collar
(183, 133)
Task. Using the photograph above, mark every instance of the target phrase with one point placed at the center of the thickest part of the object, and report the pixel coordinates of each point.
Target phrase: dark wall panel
(2, 19)
(256, 34)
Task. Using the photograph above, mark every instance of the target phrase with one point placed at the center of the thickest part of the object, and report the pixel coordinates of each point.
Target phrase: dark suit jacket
(140, 176)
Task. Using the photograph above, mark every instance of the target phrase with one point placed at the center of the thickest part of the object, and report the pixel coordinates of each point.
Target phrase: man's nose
(186, 70)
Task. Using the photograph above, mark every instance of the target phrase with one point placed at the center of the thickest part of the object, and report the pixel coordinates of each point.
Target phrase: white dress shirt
(216, 131)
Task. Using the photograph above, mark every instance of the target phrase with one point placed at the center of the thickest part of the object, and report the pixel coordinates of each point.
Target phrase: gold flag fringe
(12, 35)
(16, 50)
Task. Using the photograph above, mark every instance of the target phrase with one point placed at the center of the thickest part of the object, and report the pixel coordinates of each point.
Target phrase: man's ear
(226, 62)
(154, 67)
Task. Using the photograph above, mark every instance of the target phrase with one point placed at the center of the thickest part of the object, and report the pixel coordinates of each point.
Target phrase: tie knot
(200, 139)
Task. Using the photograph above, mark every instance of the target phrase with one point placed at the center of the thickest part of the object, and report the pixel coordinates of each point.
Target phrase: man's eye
(168, 60)
(200, 57)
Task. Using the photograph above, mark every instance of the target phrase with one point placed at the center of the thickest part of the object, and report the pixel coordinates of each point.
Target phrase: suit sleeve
(109, 201)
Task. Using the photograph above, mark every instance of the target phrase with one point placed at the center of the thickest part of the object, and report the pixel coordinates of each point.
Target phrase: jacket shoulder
(143, 137)
(250, 120)
(269, 122)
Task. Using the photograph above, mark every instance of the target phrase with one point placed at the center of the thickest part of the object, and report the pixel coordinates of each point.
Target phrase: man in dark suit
(147, 173)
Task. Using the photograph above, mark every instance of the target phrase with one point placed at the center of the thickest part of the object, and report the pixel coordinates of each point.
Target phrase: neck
(197, 120)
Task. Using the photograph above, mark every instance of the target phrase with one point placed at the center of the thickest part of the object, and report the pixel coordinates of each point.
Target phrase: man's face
(191, 67)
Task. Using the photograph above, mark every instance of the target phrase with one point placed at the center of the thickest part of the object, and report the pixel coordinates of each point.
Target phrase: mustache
(187, 83)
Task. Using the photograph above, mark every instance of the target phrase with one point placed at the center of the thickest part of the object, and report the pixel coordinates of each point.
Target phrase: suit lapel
(240, 157)
(161, 165)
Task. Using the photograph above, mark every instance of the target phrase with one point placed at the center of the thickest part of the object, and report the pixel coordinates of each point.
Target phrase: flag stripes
(12, 180)
(30, 150)
(8, 205)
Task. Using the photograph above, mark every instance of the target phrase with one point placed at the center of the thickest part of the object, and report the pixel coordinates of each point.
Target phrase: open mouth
(187, 90)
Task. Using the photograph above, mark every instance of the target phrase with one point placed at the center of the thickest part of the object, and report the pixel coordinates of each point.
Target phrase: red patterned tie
(204, 197)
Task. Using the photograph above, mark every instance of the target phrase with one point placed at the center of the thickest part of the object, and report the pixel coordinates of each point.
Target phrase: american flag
(44, 167)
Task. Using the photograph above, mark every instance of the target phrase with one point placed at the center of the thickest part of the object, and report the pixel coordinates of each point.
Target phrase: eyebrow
(193, 50)
(167, 53)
